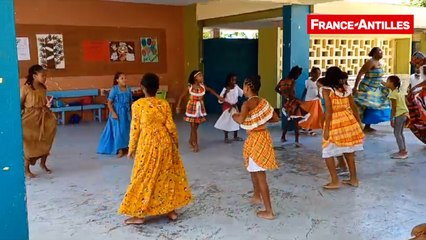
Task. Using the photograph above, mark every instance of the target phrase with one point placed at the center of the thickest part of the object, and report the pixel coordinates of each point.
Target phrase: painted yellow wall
(192, 39)
(423, 42)
(267, 63)
(402, 56)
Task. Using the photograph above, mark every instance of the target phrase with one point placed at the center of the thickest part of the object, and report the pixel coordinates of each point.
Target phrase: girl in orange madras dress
(342, 133)
(158, 183)
(195, 113)
(258, 153)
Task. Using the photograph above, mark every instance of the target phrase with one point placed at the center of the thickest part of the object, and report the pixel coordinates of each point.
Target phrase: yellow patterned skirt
(158, 183)
(259, 148)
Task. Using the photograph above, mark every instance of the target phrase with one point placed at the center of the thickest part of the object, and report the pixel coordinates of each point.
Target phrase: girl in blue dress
(115, 137)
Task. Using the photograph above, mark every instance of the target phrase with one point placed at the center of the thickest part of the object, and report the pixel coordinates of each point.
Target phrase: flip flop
(328, 187)
(131, 221)
(348, 182)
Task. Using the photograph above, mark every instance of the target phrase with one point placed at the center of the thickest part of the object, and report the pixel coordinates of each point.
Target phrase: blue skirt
(115, 135)
(374, 116)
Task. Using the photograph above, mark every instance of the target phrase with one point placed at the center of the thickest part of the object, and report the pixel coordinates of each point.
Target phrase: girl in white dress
(230, 94)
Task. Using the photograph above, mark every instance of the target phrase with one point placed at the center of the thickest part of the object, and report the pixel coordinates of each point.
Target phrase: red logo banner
(360, 24)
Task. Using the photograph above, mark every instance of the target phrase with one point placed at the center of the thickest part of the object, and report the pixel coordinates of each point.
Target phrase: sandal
(348, 182)
(329, 186)
(238, 139)
(134, 221)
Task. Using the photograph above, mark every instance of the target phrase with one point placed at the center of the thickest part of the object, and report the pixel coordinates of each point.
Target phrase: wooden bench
(95, 108)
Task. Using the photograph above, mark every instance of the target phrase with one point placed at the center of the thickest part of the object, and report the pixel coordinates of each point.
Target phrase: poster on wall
(96, 51)
(149, 50)
(122, 51)
(50, 48)
(23, 47)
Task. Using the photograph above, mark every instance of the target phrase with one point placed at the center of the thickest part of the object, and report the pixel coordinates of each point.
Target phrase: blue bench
(96, 108)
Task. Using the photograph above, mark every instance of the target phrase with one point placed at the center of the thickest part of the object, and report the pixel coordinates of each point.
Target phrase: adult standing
(370, 93)
(417, 99)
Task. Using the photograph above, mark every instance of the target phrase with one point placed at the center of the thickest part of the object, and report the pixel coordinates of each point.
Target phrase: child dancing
(342, 133)
(195, 113)
(291, 105)
(312, 103)
(258, 153)
(399, 115)
(115, 137)
(230, 93)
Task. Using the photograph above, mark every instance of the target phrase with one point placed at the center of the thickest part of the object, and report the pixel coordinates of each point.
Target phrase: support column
(296, 44)
(13, 220)
(193, 34)
(423, 42)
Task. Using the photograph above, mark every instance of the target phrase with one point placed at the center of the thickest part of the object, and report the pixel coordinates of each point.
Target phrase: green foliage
(418, 3)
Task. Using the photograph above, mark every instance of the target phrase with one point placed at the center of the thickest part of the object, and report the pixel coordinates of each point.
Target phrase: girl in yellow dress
(258, 153)
(38, 122)
(342, 133)
(158, 183)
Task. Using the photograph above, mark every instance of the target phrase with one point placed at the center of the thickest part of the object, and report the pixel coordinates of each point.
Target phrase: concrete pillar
(296, 43)
(192, 40)
(13, 210)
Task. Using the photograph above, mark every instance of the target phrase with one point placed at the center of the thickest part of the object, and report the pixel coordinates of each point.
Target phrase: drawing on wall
(50, 49)
(23, 47)
(122, 51)
(149, 50)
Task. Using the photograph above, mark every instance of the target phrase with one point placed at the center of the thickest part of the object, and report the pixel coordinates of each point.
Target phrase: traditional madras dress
(345, 134)
(158, 183)
(258, 153)
(293, 108)
(372, 98)
(313, 106)
(417, 109)
(116, 132)
(195, 109)
(229, 108)
(38, 123)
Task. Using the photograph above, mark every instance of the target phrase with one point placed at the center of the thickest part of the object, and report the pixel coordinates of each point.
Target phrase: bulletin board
(77, 64)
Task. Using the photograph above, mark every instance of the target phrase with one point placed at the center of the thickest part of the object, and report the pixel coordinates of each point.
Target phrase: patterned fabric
(417, 109)
(258, 147)
(195, 110)
(258, 116)
(286, 88)
(158, 183)
(345, 130)
(371, 93)
(38, 123)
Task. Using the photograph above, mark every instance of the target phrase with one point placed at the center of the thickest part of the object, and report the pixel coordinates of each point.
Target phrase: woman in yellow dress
(158, 183)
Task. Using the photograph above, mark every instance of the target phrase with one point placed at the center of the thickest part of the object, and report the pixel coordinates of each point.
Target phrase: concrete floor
(80, 199)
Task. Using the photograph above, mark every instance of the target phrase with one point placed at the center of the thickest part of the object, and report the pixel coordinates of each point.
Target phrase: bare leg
(192, 137)
(196, 147)
(120, 153)
(296, 132)
(236, 138)
(283, 138)
(43, 164)
(256, 199)
(331, 165)
(264, 192)
(28, 172)
(341, 163)
(226, 137)
(350, 159)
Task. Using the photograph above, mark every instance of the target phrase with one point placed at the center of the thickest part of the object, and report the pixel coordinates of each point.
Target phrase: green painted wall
(268, 63)
(192, 40)
(403, 56)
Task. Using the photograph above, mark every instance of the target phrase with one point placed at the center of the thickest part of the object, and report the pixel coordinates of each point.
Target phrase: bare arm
(213, 92)
(240, 117)
(354, 109)
(275, 118)
(111, 108)
(365, 68)
(277, 88)
(328, 113)
(182, 96)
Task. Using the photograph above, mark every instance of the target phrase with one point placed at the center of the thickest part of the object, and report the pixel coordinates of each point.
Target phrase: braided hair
(253, 83)
(33, 70)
